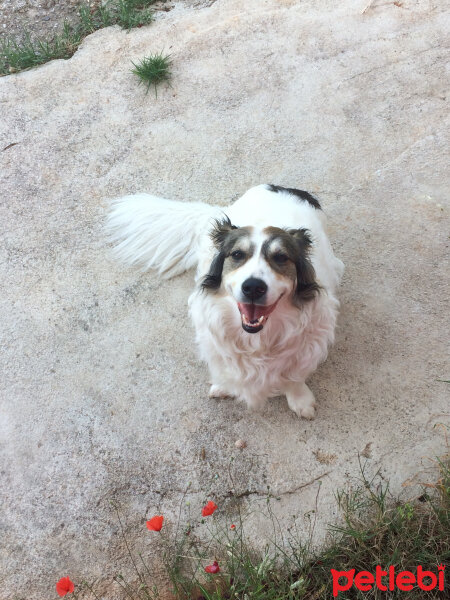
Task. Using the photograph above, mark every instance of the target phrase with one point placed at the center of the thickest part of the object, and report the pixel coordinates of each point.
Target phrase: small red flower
(209, 508)
(155, 523)
(64, 586)
(214, 568)
(233, 526)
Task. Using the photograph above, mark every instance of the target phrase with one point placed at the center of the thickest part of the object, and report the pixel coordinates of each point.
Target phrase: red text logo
(388, 580)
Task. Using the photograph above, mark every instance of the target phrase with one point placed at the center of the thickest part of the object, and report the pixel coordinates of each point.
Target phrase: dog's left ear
(219, 233)
(307, 286)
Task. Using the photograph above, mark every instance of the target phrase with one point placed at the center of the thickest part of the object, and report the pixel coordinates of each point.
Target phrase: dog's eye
(280, 258)
(238, 255)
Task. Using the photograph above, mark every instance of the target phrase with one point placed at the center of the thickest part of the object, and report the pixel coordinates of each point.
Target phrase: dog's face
(257, 267)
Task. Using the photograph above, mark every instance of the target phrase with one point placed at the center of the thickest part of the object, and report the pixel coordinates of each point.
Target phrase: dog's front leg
(218, 391)
(301, 400)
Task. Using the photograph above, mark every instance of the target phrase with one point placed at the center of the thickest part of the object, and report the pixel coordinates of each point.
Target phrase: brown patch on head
(280, 251)
(287, 252)
(234, 249)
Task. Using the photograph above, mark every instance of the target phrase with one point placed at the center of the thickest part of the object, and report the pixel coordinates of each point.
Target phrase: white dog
(264, 305)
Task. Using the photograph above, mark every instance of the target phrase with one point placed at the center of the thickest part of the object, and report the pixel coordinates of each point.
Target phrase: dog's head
(257, 267)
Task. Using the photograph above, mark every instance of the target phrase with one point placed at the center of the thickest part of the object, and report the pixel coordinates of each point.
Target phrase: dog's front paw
(215, 391)
(307, 412)
(301, 400)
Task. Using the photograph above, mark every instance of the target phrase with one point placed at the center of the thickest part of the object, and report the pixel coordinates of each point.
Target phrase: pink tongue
(253, 311)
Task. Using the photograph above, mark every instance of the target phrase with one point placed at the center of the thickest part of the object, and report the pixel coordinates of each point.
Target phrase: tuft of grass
(153, 69)
(20, 54)
(131, 13)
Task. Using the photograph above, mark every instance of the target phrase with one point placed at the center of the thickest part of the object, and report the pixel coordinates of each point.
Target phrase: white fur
(174, 236)
(155, 233)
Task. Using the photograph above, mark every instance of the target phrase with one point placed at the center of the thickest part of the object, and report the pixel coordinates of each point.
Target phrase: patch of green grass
(24, 53)
(153, 69)
(375, 529)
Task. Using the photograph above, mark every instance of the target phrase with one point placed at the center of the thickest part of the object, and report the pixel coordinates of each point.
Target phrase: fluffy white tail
(155, 233)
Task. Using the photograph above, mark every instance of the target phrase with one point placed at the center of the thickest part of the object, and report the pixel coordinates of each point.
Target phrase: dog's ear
(213, 279)
(220, 230)
(307, 286)
(219, 233)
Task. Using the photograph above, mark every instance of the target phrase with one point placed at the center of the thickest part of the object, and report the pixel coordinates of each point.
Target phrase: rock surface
(103, 398)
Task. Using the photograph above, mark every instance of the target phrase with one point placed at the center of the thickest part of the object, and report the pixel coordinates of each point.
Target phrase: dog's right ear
(219, 233)
(221, 229)
(213, 279)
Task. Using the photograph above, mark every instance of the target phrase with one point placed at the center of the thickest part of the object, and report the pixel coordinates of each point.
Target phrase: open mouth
(254, 316)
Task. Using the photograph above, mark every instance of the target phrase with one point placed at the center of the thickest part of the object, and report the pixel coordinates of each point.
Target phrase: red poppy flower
(155, 523)
(64, 586)
(214, 568)
(208, 509)
(233, 526)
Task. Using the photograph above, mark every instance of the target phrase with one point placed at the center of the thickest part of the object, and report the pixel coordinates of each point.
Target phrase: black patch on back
(299, 193)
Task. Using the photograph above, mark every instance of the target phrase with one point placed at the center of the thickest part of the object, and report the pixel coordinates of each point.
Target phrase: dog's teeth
(253, 322)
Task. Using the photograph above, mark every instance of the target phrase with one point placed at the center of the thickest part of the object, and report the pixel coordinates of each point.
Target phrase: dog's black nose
(253, 288)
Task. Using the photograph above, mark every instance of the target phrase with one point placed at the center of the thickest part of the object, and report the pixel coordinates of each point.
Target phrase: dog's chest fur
(287, 350)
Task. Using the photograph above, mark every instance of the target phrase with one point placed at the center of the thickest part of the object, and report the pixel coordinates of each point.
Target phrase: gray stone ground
(102, 395)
